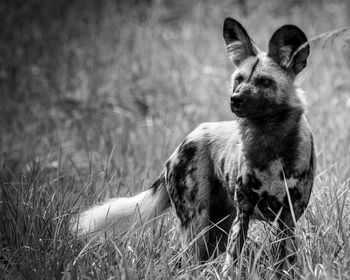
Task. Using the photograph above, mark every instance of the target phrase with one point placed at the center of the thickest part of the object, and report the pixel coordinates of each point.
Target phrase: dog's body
(226, 173)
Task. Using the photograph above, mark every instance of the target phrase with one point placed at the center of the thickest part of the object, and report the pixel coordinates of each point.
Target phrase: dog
(224, 174)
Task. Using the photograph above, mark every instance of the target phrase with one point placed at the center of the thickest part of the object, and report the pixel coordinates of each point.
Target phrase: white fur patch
(301, 96)
(285, 53)
(272, 182)
(101, 216)
(237, 52)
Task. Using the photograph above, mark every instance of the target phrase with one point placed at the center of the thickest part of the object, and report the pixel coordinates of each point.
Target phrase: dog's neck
(267, 139)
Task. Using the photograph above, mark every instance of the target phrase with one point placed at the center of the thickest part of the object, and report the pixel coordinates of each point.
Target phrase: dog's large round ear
(238, 43)
(289, 47)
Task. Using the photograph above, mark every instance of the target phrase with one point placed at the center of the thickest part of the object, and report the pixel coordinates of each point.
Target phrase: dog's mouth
(240, 114)
(238, 111)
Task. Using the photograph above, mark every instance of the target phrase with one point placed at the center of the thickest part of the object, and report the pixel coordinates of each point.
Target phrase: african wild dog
(227, 173)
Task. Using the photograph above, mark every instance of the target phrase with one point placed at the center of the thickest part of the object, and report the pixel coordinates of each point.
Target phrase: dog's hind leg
(210, 228)
(221, 215)
(189, 190)
(203, 205)
(206, 216)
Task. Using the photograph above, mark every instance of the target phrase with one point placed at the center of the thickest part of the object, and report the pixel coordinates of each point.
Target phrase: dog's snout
(237, 100)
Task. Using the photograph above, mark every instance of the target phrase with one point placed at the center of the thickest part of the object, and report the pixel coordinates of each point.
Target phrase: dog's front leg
(286, 256)
(245, 201)
(237, 237)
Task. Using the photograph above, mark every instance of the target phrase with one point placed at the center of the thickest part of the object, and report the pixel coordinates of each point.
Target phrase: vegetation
(95, 95)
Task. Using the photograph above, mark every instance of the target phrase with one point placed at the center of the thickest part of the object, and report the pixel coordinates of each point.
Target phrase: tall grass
(95, 95)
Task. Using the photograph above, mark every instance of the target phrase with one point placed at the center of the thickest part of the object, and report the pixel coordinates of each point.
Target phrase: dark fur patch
(263, 81)
(269, 206)
(222, 165)
(239, 182)
(295, 195)
(284, 175)
(220, 203)
(158, 183)
(291, 172)
(289, 154)
(193, 193)
(254, 182)
(221, 209)
(187, 150)
(185, 167)
(253, 70)
(201, 207)
(246, 198)
(304, 178)
(300, 199)
(227, 177)
(312, 156)
(268, 139)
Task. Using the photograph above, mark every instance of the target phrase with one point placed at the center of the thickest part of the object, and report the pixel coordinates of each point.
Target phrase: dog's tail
(118, 215)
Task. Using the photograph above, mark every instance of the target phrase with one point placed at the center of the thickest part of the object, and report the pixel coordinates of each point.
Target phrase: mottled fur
(226, 173)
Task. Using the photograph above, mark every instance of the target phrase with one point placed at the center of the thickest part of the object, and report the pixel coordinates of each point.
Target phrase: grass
(95, 95)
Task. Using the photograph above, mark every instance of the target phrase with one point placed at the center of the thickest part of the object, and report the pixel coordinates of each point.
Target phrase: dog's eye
(238, 80)
(264, 82)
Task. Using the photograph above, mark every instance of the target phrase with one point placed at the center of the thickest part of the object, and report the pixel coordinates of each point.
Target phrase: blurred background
(96, 94)
(82, 81)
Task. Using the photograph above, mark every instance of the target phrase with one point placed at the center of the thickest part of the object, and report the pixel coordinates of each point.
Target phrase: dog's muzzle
(237, 102)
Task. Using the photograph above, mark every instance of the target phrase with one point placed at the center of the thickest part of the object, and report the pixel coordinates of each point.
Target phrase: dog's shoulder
(212, 147)
(213, 141)
(192, 171)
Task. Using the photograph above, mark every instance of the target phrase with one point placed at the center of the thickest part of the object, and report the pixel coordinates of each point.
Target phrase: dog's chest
(272, 182)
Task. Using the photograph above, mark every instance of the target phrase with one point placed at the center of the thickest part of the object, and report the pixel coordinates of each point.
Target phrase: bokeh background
(95, 95)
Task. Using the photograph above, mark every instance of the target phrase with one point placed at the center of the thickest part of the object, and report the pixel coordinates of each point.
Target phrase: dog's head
(263, 83)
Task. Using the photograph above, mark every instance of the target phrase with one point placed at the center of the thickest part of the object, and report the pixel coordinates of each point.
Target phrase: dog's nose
(237, 100)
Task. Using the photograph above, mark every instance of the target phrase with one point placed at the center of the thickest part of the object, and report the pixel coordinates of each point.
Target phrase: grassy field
(95, 95)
